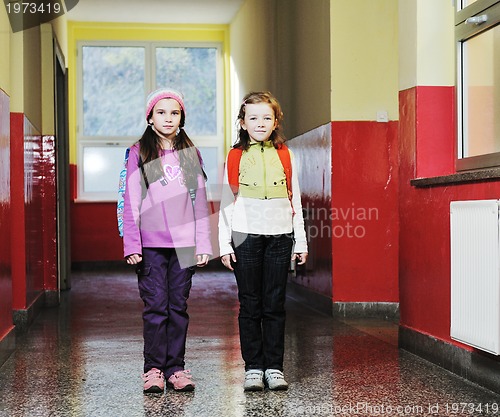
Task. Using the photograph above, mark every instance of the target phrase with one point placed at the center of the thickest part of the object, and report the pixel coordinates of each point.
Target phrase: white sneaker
(254, 380)
(275, 380)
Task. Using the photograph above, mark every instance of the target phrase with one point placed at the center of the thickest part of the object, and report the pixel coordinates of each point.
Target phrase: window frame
(463, 33)
(201, 141)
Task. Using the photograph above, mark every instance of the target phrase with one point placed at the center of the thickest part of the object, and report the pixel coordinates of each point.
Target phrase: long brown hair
(189, 157)
(277, 137)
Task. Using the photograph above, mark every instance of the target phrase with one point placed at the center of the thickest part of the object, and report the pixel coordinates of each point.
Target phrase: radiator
(475, 274)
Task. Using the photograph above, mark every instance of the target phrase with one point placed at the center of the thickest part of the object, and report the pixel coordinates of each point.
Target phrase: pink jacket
(166, 217)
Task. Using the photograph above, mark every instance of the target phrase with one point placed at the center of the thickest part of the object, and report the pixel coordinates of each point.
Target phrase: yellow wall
(55, 31)
(407, 44)
(435, 42)
(26, 73)
(32, 94)
(302, 60)
(252, 47)
(251, 52)
(5, 34)
(426, 49)
(283, 46)
(364, 59)
(324, 59)
(16, 69)
(89, 31)
(60, 29)
(47, 78)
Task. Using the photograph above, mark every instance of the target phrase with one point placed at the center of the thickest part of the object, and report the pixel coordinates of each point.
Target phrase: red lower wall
(33, 204)
(94, 228)
(348, 174)
(6, 324)
(94, 233)
(49, 213)
(424, 244)
(434, 123)
(365, 211)
(312, 152)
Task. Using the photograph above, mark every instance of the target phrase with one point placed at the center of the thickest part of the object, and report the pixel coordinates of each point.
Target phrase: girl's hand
(302, 257)
(226, 260)
(202, 260)
(133, 259)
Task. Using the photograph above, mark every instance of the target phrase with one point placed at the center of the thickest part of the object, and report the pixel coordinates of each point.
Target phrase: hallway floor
(84, 358)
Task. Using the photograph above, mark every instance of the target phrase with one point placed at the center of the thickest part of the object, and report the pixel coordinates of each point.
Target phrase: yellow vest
(261, 173)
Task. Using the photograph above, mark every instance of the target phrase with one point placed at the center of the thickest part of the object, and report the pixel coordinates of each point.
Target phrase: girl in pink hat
(166, 233)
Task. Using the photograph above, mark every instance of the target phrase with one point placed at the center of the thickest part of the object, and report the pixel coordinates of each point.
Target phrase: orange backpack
(233, 168)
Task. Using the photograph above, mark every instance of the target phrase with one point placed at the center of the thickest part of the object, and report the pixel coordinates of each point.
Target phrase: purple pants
(164, 288)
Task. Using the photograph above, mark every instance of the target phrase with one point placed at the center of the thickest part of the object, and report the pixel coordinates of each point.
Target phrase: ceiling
(156, 11)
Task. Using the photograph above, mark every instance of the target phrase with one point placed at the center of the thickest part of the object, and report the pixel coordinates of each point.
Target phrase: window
(478, 83)
(114, 80)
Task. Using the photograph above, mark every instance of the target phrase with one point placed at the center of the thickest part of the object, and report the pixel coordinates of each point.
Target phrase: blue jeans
(164, 288)
(261, 271)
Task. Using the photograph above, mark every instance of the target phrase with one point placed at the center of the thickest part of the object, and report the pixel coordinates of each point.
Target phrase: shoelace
(275, 375)
(186, 373)
(254, 375)
(152, 373)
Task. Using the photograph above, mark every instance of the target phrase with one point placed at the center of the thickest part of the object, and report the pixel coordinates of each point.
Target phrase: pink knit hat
(160, 94)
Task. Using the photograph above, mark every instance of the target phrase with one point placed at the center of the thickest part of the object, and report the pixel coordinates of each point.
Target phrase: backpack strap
(284, 155)
(120, 204)
(233, 169)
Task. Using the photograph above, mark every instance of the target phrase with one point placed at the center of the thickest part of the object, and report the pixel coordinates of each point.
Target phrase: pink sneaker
(154, 381)
(181, 381)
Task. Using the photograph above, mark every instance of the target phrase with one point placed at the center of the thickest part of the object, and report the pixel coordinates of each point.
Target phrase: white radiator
(475, 274)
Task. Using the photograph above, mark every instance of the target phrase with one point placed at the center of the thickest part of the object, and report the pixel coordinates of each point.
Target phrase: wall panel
(365, 211)
(6, 325)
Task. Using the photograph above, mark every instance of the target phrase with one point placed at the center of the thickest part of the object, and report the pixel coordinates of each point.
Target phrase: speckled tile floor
(84, 358)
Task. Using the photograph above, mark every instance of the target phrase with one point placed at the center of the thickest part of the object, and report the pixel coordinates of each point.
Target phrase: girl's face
(166, 118)
(259, 121)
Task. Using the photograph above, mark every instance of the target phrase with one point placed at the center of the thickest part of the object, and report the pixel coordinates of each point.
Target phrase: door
(62, 171)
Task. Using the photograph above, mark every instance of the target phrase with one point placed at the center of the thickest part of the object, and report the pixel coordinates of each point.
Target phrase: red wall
(5, 220)
(312, 152)
(349, 187)
(33, 194)
(365, 211)
(49, 213)
(19, 253)
(94, 233)
(94, 228)
(427, 139)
